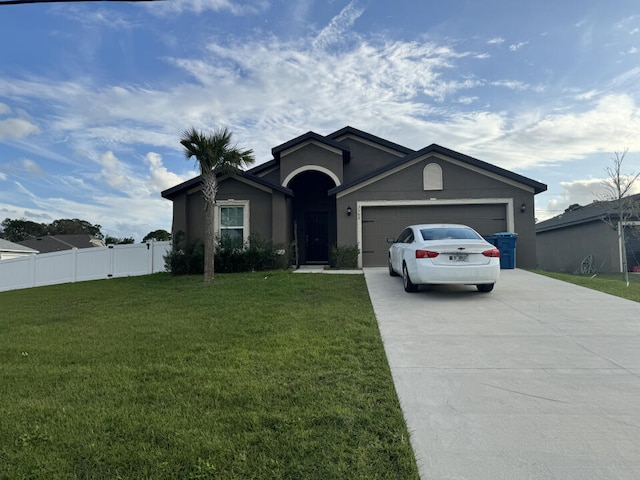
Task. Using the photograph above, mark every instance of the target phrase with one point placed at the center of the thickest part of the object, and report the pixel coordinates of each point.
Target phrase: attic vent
(432, 177)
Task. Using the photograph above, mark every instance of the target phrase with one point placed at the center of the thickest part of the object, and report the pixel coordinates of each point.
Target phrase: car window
(405, 235)
(449, 233)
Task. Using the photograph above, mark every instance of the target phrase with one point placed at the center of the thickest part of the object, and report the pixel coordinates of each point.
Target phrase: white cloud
(159, 177)
(600, 126)
(93, 17)
(115, 173)
(496, 41)
(250, 7)
(4, 109)
(14, 128)
(268, 91)
(467, 100)
(333, 32)
(511, 84)
(517, 46)
(31, 167)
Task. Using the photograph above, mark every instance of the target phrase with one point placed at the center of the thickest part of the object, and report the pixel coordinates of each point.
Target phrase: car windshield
(449, 233)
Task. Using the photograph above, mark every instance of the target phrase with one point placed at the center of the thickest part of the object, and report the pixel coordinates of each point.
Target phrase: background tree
(214, 155)
(157, 235)
(109, 240)
(618, 185)
(21, 229)
(75, 226)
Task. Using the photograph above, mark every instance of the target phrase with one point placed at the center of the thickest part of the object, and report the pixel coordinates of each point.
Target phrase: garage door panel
(379, 223)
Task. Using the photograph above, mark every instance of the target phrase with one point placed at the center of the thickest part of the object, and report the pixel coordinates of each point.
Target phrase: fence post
(111, 261)
(74, 264)
(150, 254)
(32, 270)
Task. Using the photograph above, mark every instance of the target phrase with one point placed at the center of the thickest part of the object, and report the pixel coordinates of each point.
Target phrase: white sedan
(443, 254)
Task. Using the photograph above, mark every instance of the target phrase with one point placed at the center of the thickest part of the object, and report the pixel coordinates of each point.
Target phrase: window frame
(219, 205)
(432, 177)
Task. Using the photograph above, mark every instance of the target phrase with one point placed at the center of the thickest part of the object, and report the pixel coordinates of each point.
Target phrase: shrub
(259, 254)
(344, 257)
(230, 257)
(185, 258)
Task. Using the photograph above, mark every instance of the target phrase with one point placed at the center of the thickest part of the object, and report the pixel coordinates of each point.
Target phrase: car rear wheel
(485, 287)
(392, 272)
(409, 286)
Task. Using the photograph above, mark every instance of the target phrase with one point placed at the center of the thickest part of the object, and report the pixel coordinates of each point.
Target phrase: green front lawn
(262, 375)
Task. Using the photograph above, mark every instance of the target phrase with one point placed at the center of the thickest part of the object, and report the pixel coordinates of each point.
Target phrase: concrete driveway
(537, 380)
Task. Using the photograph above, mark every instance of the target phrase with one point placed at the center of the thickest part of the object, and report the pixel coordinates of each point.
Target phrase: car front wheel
(409, 286)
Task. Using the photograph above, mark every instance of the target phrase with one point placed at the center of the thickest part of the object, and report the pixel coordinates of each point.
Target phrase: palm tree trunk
(209, 191)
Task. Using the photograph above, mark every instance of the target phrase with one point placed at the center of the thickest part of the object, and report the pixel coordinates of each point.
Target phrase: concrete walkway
(539, 379)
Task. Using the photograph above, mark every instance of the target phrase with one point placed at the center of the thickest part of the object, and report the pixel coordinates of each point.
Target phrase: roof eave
(434, 148)
(311, 136)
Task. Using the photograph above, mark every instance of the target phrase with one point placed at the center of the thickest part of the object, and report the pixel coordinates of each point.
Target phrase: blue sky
(94, 96)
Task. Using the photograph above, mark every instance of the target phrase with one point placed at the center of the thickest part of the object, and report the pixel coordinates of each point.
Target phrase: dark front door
(317, 237)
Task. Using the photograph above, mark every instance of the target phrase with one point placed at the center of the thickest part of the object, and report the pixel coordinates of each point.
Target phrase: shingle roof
(171, 192)
(372, 138)
(595, 211)
(57, 243)
(7, 246)
(276, 151)
(433, 148)
(330, 141)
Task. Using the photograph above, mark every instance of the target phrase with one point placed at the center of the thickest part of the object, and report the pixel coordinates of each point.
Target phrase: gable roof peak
(306, 137)
(351, 131)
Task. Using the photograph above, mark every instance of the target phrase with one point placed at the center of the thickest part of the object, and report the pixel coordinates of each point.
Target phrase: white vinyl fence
(78, 265)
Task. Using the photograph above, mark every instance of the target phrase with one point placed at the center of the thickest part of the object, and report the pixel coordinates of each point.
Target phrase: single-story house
(57, 243)
(351, 188)
(584, 239)
(14, 250)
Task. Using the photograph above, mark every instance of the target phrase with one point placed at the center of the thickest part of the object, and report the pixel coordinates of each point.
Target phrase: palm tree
(215, 155)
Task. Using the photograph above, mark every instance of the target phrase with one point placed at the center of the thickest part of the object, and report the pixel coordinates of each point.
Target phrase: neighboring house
(352, 188)
(57, 243)
(14, 250)
(581, 241)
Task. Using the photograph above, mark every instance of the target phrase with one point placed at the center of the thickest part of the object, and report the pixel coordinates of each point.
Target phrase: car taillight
(491, 253)
(426, 254)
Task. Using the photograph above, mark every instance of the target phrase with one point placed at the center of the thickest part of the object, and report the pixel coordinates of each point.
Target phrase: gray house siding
(564, 250)
(365, 158)
(311, 155)
(565, 240)
(195, 216)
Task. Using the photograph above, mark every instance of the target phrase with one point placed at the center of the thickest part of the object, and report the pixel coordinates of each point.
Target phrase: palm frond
(215, 152)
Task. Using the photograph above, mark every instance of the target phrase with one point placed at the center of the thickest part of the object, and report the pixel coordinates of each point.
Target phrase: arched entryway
(314, 216)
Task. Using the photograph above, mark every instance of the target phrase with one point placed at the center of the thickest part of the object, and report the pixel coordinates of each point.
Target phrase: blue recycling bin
(506, 243)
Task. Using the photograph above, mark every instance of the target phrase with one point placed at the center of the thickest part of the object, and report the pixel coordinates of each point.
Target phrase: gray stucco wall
(188, 209)
(563, 250)
(260, 204)
(311, 154)
(364, 159)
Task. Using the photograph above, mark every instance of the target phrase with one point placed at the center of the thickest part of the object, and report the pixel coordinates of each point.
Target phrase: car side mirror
(391, 240)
